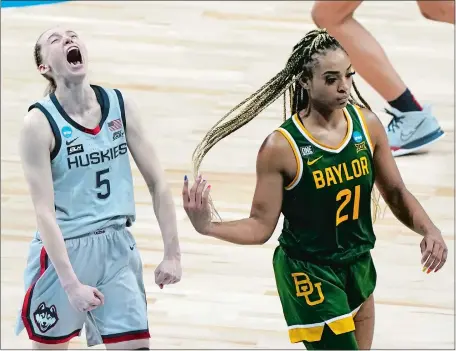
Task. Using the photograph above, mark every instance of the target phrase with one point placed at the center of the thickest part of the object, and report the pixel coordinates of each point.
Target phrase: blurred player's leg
(412, 126)
(440, 11)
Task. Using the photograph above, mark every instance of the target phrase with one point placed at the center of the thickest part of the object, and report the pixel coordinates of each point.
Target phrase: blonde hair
(38, 61)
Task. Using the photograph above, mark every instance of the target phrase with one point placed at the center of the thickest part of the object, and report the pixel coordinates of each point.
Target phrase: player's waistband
(106, 233)
(334, 261)
(109, 229)
(106, 230)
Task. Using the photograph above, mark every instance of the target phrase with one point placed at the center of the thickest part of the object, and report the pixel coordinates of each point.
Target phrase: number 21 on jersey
(345, 195)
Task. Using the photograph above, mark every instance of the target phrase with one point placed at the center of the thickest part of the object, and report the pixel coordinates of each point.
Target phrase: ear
(41, 307)
(43, 69)
(304, 83)
(53, 309)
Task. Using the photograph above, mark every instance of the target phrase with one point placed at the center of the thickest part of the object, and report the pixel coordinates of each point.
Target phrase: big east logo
(117, 135)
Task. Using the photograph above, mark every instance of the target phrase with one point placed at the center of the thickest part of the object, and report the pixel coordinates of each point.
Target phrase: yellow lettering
(347, 175)
(329, 177)
(356, 202)
(338, 172)
(343, 193)
(356, 168)
(319, 179)
(346, 195)
(364, 167)
(304, 287)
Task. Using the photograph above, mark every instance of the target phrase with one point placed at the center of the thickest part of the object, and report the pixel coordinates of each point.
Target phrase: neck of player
(323, 117)
(75, 98)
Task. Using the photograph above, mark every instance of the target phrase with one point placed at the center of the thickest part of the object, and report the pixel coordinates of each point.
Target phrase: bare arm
(402, 203)
(148, 164)
(390, 184)
(266, 204)
(35, 146)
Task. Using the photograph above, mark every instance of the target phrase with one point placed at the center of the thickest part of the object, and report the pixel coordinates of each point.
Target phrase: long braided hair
(299, 66)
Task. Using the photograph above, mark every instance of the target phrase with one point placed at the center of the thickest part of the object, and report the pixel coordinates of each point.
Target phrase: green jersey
(327, 206)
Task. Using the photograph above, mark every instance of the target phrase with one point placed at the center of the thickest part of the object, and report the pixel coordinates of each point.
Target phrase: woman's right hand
(196, 204)
(84, 298)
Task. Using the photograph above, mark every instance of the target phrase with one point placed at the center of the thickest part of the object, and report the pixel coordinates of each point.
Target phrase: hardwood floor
(186, 64)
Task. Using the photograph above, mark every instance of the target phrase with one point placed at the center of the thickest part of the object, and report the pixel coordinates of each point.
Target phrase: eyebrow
(58, 35)
(336, 72)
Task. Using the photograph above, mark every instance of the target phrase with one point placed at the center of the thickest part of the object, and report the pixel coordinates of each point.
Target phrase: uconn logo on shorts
(45, 317)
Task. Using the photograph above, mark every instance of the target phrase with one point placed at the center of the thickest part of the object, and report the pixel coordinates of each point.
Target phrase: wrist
(208, 229)
(432, 231)
(66, 274)
(172, 251)
(172, 255)
(69, 284)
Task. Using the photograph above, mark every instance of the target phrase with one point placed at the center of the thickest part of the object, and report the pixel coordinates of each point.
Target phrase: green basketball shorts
(313, 295)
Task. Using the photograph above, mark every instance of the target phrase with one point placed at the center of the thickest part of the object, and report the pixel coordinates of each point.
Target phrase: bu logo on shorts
(304, 287)
(45, 317)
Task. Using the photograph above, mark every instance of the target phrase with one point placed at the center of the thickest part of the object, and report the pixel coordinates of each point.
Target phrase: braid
(321, 41)
(299, 65)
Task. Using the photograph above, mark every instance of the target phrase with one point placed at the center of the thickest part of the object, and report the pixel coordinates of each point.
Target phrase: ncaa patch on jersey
(357, 137)
(67, 132)
(306, 150)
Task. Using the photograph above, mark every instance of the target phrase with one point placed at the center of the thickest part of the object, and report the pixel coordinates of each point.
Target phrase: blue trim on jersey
(122, 108)
(103, 101)
(16, 3)
(54, 127)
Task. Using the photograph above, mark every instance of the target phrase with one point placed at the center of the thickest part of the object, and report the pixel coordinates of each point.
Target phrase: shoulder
(370, 117)
(35, 121)
(374, 125)
(132, 117)
(273, 149)
(127, 101)
(36, 129)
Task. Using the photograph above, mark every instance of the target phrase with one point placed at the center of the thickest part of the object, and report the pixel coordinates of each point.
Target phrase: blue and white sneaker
(411, 131)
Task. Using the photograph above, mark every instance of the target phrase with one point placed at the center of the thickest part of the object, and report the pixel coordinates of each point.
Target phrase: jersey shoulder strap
(117, 106)
(360, 126)
(46, 107)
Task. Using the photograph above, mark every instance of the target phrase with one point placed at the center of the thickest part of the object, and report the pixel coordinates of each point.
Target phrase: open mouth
(74, 56)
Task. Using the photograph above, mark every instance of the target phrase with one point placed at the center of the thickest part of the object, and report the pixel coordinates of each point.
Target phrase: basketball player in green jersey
(318, 168)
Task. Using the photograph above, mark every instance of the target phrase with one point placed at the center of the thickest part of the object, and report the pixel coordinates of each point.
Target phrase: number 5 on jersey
(345, 195)
(103, 182)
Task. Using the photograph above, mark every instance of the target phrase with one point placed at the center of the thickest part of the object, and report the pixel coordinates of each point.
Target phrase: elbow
(44, 214)
(262, 235)
(45, 218)
(158, 187)
(161, 195)
(394, 195)
(262, 240)
(261, 227)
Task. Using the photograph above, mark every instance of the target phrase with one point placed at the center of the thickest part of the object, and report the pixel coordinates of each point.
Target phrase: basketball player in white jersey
(83, 265)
